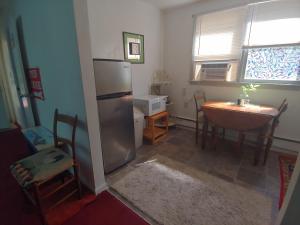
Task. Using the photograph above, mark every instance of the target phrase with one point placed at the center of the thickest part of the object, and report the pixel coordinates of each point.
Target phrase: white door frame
(5, 89)
(89, 90)
(14, 73)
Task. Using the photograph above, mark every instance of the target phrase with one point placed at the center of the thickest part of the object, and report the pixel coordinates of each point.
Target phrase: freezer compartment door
(117, 131)
(112, 76)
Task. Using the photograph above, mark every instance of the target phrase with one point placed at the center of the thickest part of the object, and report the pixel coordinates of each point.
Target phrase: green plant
(247, 88)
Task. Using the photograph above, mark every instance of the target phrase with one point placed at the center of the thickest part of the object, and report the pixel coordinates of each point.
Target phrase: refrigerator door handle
(114, 95)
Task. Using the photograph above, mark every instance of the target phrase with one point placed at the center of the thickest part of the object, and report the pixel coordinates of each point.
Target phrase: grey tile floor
(224, 162)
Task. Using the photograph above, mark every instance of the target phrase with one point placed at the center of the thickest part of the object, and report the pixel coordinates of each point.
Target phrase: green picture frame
(131, 40)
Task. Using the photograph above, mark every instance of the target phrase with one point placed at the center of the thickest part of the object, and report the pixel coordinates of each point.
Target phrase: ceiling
(167, 4)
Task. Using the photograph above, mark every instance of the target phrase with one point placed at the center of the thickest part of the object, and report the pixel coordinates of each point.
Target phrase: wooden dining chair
(270, 131)
(199, 99)
(50, 164)
(282, 104)
(270, 135)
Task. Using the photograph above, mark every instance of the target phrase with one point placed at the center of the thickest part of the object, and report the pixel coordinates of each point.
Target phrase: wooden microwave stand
(153, 133)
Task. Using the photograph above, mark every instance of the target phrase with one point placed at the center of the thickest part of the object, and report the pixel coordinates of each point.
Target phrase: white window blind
(220, 35)
(274, 23)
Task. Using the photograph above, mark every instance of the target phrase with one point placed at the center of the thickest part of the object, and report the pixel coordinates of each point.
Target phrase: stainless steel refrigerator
(115, 108)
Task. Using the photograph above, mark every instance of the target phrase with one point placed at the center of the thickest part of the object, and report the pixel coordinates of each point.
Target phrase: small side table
(153, 133)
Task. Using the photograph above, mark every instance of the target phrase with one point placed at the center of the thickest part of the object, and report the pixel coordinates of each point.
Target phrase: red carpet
(286, 164)
(65, 211)
(106, 210)
(12, 147)
(14, 210)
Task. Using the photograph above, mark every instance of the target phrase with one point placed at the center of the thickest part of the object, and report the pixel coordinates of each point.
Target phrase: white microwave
(150, 104)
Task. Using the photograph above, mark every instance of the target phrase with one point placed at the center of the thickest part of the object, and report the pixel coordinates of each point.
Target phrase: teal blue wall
(51, 44)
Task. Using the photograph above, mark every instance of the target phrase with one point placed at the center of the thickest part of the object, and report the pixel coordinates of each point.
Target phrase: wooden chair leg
(267, 149)
(76, 173)
(37, 196)
(151, 125)
(167, 123)
(204, 132)
(260, 144)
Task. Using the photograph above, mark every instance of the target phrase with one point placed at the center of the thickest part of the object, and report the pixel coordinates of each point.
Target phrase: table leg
(204, 132)
(241, 139)
(214, 137)
(260, 144)
(151, 125)
(167, 123)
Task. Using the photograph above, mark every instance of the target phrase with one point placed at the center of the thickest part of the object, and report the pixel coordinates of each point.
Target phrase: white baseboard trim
(101, 188)
(187, 124)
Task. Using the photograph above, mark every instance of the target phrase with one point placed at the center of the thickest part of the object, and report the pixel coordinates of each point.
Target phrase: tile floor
(223, 162)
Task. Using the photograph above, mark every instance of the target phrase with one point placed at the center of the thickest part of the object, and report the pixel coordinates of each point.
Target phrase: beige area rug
(173, 194)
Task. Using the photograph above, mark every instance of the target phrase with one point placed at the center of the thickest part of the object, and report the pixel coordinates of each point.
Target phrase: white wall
(109, 18)
(178, 24)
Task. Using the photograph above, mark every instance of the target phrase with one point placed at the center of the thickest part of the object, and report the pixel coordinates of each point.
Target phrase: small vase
(246, 101)
(243, 100)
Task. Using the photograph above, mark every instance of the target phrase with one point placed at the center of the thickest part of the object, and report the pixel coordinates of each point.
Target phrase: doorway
(18, 105)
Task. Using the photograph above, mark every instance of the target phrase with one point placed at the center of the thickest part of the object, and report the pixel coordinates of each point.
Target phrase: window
(218, 40)
(272, 45)
(273, 64)
(259, 42)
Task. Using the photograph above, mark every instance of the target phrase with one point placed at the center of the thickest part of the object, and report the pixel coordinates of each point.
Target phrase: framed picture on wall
(134, 48)
(36, 83)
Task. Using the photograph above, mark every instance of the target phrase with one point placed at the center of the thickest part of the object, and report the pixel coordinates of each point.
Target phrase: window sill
(295, 87)
(215, 83)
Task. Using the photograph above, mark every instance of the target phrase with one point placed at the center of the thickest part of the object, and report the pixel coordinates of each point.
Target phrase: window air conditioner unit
(214, 71)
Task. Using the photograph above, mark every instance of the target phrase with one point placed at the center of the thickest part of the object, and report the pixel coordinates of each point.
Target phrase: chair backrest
(282, 104)
(69, 120)
(282, 109)
(199, 98)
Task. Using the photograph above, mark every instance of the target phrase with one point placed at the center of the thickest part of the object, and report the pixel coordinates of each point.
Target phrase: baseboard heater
(275, 137)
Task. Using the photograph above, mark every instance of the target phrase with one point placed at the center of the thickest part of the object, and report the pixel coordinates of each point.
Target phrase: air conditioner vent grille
(214, 71)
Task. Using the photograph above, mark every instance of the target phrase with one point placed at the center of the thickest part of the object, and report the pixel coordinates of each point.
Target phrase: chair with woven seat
(46, 165)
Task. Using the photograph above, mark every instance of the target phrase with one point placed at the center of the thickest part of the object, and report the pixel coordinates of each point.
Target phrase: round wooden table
(240, 118)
